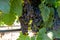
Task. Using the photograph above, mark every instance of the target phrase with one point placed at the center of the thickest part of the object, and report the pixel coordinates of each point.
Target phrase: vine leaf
(1, 18)
(58, 9)
(23, 37)
(9, 19)
(56, 33)
(49, 23)
(45, 11)
(33, 38)
(51, 2)
(42, 35)
(16, 6)
(10, 9)
(56, 29)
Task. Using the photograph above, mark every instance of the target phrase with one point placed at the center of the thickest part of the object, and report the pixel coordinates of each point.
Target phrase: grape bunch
(37, 20)
(35, 2)
(30, 12)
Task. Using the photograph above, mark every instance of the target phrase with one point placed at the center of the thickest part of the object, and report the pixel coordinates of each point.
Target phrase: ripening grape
(35, 2)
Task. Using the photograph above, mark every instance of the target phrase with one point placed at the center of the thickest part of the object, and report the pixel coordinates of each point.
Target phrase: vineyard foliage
(50, 12)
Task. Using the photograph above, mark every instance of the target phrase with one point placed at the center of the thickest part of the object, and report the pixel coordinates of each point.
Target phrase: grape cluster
(30, 12)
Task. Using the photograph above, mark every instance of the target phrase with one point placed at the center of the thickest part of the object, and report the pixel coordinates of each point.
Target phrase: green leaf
(56, 32)
(1, 18)
(58, 9)
(51, 2)
(9, 18)
(33, 38)
(11, 8)
(57, 4)
(42, 35)
(16, 6)
(4, 6)
(49, 23)
(45, 11)
(0, 15)
(23, 37)
(46, 37)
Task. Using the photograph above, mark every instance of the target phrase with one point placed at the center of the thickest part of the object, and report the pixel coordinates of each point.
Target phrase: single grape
(24, 27)
(35, 2)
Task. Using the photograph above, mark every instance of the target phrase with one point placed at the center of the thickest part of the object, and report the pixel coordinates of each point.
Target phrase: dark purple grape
(56, 13)
(37, 11)
(56, 20)
(35, 2)
(24, 26)
(56, 24)
(34, 29)
(24, 20)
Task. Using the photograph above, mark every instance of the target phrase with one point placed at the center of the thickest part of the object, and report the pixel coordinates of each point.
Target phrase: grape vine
(41, 16)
